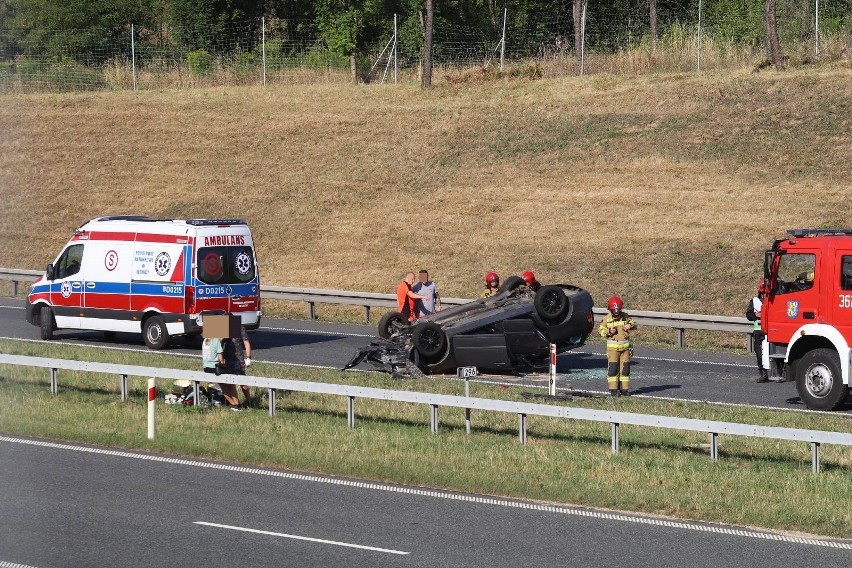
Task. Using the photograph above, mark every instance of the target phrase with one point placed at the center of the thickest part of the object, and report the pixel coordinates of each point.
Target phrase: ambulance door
(66, 288)
(107, 297)
(841, 298)
(795, 299)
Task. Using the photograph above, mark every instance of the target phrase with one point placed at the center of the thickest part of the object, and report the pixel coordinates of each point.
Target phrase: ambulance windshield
(225, 265)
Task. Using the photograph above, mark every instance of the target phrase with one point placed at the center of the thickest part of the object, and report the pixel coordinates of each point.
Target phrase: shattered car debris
(508, 333)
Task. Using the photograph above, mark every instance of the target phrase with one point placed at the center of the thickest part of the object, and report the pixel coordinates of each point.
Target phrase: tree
(578, 27)
(772, 41)
(426, 81)
(655, 38)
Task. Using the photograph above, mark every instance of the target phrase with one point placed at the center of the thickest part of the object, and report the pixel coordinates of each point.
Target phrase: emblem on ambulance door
(66, 289)
(792, 309)
(163, 263)
(242, 263)
(111, 260)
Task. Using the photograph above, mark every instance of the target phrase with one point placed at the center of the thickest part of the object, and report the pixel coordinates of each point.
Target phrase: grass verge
(757, 482)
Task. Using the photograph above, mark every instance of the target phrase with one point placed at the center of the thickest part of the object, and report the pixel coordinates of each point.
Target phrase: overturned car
(508, 333)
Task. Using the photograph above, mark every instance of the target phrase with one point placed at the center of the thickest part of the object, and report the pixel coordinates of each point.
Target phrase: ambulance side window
(69, 263)
(796, 272)
(846, 273)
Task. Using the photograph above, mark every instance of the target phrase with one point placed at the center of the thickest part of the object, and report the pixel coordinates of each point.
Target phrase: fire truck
(807, 314)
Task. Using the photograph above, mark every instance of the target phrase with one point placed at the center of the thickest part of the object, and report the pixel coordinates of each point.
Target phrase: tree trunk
(427, 48)
(352, 68)
(773, 44)
(652, 5)
(578, 32)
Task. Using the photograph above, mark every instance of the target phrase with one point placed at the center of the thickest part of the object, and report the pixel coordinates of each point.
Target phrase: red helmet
(528, 277)
(761, 286)
(492, 279)
(615, 303)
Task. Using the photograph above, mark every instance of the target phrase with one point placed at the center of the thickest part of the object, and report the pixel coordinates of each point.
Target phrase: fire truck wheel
(155, 333)
(46, 323)
(819, 381)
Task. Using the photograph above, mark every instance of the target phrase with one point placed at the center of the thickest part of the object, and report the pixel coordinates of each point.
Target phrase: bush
(200, 62)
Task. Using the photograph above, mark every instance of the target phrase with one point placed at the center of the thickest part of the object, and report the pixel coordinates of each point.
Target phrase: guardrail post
(152, 408)
(815, 457)
(522, 428)
(54, 387)
(271, 394)
(15, 288)
(614, 428)
(350, 411)
(681, 337)
(366, 314)
(312, 311)
(195, 393)
(433, 418)
(123, 388)
(714, 447)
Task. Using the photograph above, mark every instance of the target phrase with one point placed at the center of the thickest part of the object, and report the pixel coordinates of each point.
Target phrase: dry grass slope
(664, 189)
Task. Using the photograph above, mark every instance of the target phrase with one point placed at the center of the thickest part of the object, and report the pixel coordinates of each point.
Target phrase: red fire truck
(807, 314)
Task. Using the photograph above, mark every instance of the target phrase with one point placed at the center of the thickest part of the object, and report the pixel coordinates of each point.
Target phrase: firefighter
(753, 310)
(529, 280)
(617, 328)
(492, 284)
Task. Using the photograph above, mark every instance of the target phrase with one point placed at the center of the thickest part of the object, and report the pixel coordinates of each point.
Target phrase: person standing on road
(617, 327)
(431, 302)
(492, 284)
(405, 297)
(755, 305)
(237, 352)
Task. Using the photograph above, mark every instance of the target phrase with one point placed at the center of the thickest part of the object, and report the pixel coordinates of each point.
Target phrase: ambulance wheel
(819, 381)
(155, 333)
(46, 323)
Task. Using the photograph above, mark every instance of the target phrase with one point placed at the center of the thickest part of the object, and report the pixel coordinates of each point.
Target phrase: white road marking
(494, 501)
(12, 564)
(307, 538)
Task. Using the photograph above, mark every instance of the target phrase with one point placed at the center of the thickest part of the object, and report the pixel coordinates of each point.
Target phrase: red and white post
(152, 409)
(552, 382)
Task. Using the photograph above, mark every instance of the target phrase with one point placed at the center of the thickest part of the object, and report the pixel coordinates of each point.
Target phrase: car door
(67, 291)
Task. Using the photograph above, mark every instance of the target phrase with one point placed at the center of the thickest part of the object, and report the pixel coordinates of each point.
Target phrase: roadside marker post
(466, 373)
(552, 381)
(152, 408)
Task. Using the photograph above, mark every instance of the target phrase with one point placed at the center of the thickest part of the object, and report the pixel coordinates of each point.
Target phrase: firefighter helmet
(528, 277)
(492, 279)
(615, 304)
(761, 286)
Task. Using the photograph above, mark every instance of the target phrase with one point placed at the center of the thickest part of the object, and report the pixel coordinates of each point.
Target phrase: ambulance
(156, 277)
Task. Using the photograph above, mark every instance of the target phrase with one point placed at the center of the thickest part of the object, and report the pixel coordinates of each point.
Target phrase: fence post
(583, 41)
(698, 64)
(263, 46)
(133, 53)
(503, 40)
(816, 27)
(395, 71)
(152, 408)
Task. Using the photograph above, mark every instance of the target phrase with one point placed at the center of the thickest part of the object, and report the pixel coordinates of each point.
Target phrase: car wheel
(429, 339)
(510, 284)
(46, 323)
(551, 303)
(155, 333)
(390, 324)
(819, 381)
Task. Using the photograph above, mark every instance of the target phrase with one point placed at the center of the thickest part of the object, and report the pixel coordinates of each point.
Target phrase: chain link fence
(276, 51)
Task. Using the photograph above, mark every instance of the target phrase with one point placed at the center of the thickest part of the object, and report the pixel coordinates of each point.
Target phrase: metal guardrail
(312, 296)
(522, 409)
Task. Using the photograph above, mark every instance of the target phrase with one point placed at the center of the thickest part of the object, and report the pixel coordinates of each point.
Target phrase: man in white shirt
(431, 301)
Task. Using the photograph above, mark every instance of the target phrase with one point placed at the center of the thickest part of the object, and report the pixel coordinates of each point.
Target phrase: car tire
(46, 326)
(391, 323)
(819, 381)
(155, 333)
(510, 284)
(429, 339)
(551, 303)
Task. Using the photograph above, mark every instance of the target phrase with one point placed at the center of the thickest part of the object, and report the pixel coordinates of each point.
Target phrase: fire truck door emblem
(792, 309)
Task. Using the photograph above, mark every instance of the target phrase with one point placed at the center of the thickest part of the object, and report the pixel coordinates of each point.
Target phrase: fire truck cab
(807, 314)
(157, 277)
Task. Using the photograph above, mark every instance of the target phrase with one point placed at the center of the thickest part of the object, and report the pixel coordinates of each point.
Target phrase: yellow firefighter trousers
(618, 368)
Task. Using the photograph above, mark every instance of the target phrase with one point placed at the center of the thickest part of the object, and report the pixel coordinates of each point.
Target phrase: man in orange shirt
(405, 297)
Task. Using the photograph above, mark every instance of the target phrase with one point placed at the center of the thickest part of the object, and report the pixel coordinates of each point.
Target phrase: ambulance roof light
(204, 222)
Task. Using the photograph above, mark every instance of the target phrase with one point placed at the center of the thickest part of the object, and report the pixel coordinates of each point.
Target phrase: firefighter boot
(613, 392)
(763, 376)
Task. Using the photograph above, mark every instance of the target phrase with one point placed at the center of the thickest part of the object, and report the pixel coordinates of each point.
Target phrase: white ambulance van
(150, 276)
